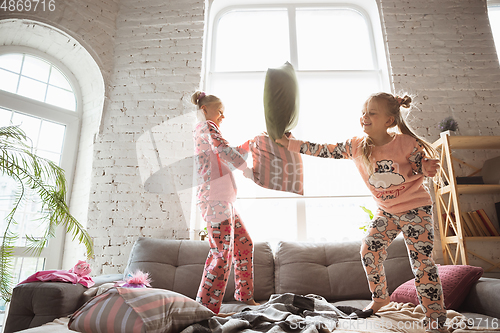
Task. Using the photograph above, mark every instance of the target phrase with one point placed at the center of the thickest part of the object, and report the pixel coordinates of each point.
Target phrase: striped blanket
(275, 167)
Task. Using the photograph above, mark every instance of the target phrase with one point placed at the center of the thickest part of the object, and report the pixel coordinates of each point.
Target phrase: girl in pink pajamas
(216, 193)
(393, 166)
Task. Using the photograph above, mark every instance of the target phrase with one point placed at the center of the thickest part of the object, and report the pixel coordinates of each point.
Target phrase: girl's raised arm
(342, 150)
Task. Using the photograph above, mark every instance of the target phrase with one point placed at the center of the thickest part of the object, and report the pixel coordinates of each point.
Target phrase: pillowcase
(281, 100)
(456, 281)
(275, 167)
(138, 310)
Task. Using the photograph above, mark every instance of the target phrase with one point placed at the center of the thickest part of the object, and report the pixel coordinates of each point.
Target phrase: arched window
(338, 53)
(36, 78)
(38, 93)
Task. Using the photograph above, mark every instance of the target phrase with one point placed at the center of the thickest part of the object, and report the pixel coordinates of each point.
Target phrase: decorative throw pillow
(138, 310)
(281, 100)
(456, 281)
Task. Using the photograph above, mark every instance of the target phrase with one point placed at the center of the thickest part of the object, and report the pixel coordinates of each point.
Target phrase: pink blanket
(60, 275)
(78, 274)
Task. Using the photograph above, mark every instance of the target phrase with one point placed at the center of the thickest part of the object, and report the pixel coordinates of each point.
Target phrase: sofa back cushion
(177, 265)
(334, 270)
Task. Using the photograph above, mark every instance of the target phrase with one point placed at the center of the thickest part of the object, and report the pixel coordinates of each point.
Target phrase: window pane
(58, 79)
(333, 39)
(11, 62)
(54, 157)
(62, 98)
(26, 266)
(51, 136)
(5, 116)
(243, 120)
(9, 81)
(30, 125)
(252, 40)
(36, 68)
(330, 110)
(494, 15)
(32, 225)
(32, 89)
(7, 191)
(280, 218)
(336, 219)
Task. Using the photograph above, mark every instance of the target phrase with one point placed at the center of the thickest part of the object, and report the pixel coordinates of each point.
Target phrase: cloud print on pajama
(417, 229)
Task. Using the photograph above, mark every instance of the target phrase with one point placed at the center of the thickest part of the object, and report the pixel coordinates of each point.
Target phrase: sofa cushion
(177, 265)
(37, 303)
(334, 270)
(138, 310)
(484, 297)
(456, 281)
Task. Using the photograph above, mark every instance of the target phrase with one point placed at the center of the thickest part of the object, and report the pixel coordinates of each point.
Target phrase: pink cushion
(455, 279)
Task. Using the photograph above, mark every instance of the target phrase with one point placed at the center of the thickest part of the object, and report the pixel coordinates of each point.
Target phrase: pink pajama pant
(229, 242)
(418, 232)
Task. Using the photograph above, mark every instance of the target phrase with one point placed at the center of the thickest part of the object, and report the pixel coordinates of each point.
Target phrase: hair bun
(195, 98)
(406, 102)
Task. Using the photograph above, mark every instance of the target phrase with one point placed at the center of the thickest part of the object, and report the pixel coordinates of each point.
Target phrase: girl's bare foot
(375, 306)
(224, 315)
(252, 302)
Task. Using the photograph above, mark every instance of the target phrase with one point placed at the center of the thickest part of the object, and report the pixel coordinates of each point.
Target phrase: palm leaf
(47, 181)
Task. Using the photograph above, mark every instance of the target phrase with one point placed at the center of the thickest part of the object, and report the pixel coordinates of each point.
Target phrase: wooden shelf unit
(447, 197)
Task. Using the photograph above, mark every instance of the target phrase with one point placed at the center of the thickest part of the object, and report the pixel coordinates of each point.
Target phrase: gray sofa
(332, 270)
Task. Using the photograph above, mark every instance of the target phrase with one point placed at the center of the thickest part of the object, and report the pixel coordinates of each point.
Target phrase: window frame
(369, 12)
(53, 253)
(223, 7)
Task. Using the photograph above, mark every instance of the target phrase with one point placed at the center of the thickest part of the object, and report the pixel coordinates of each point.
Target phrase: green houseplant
(366, 224)
(44, 178)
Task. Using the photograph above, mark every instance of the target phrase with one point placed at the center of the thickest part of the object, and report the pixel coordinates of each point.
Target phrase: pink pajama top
(214, 161)
(397, 181)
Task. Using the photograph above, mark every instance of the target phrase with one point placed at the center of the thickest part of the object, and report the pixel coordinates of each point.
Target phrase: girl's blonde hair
(199, 99)
(394, 104)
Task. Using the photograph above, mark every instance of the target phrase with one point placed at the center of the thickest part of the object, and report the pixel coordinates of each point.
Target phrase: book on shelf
(477, 227)
(465, 227)
(478, 224)
(487, 223)
(470, 224)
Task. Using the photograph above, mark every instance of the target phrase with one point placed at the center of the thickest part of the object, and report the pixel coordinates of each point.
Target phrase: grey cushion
(334, 270)
(177, 265)
(483, 298)
(37, 303)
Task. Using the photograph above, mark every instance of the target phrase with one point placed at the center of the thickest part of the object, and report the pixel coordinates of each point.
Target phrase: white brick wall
(146, 128)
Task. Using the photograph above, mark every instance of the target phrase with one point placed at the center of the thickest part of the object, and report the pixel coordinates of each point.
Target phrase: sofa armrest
(37, 303)
(484, 298)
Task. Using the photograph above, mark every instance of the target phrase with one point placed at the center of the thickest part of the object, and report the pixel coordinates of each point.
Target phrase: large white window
(494, 15)
(337, 52)
(38, 94)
